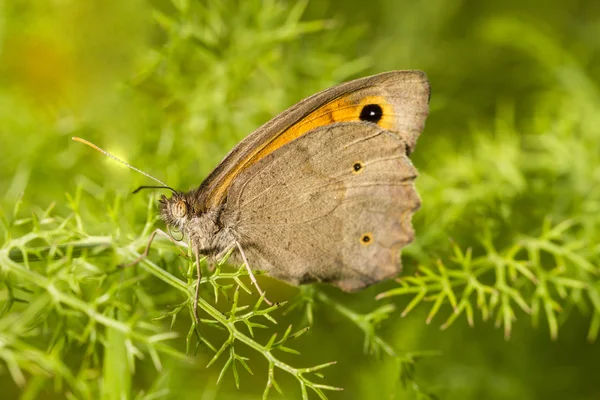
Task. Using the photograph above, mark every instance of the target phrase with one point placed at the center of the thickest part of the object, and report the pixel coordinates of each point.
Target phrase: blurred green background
(512, 140)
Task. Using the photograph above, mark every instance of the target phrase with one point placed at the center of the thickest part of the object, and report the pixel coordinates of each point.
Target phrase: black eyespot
(371, 113)
(366, 239)
(358, 167)
(407, 150)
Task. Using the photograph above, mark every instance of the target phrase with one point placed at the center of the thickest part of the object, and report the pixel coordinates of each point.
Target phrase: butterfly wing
(401, 96)
(334, 205)
(324, 191)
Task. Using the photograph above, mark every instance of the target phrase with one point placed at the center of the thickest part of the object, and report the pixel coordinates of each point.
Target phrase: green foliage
(517, 279)
(525, 205)
(508, 231)
(55, 269)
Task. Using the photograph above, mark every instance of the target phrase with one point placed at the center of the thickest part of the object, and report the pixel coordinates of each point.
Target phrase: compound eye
(179, 209)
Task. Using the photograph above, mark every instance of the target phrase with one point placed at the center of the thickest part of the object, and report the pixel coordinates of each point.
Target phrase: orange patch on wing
(339, 110)
(342, 109)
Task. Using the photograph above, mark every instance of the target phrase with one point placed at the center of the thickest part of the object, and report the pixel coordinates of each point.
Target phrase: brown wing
(334, 205)
(401, 95)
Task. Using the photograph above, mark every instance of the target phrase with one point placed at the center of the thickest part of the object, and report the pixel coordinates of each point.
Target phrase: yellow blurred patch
(42, 69)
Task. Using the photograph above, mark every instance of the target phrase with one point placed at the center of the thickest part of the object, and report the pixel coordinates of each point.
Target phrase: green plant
(508, 229)
(58, 274)
(524, 199)
(63, 290)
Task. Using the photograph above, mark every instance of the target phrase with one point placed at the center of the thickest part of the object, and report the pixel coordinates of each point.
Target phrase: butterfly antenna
(106, 153)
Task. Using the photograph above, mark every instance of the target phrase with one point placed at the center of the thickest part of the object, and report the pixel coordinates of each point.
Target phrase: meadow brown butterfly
(324, 192)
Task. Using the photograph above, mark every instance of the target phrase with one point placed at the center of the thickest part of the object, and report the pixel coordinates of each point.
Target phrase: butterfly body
(324, 192)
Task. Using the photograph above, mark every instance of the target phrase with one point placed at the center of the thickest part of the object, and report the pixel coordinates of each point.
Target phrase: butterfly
(323, 192)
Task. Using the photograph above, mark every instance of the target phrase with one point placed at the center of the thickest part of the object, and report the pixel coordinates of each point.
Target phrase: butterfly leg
(147, 249)
(252, 278)
(198, 279)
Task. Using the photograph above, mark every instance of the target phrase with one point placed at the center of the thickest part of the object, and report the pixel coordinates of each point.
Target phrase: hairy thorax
(208, 236)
